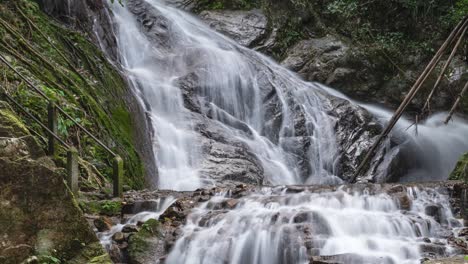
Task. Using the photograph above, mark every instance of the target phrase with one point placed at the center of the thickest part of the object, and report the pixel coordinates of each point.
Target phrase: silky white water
(432, 145)
(268, 227)
(231, 80)
(272, 226)
(141, 217)
(231, 87)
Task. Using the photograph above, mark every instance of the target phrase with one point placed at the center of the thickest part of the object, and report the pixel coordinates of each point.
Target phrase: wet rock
(404, 201)
(246, 27)
(139, 206)
(230, 204)
(146, 245)
(130, 229)
(204, 198)
(103, 224)
(348, 258)
(433, 249)
(453, 260)
(356, 130)
(463, 232)
(115, 253)
(458, 243)
(434, 211)
(118, 237)
(317, 59)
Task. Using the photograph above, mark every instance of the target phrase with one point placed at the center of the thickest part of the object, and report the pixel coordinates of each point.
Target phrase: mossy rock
(461, 169)
(92, 254)
(11, 125)
(76, 75)
(38, 212)
(146, 245)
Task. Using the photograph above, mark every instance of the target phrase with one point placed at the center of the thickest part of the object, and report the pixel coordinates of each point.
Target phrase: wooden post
(464, 205)
(118, 176)
(73, 172)
(52, 125)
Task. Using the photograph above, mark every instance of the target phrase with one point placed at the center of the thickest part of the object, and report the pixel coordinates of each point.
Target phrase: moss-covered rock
(38, 213)
(461, 169)
(146, 245)
(77, 76)
(10, 124)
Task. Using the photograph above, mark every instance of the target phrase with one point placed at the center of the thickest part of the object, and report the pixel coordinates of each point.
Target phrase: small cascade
(161, 205)
(276, 226)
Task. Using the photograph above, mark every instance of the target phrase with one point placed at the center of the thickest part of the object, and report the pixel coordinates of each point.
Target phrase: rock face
(247, 28)
(38, 215)
(318, 59)
(92, 16)
(454, 260)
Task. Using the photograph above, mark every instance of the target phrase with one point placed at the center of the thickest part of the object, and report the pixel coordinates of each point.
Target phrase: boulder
(147, 245)
(103, 224)
(247, 28)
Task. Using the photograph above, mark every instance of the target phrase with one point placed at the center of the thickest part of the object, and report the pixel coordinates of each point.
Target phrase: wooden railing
(52, 127)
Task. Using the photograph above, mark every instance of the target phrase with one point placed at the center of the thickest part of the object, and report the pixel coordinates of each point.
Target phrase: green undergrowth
(461, 169)
(396, 26)
(109, 208)
(83, 83)
(226, 4)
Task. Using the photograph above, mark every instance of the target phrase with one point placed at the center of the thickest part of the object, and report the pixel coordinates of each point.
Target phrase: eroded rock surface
(247, 28)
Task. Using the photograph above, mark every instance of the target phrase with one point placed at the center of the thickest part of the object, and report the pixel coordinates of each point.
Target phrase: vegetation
(105, 207)
(75, 75)
(461, 169)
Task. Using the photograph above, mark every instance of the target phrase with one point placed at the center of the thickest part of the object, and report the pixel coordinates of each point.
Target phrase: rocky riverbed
(158, 220)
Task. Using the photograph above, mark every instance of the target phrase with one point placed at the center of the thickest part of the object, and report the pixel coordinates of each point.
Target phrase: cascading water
(272, 226)
(230, 93)
(230, 85)
(234, 88)
(433, 146)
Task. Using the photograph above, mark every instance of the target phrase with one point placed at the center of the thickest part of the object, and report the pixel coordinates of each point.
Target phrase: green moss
(226, 4)
(139, 243)
(461, 169)
(109, 208)
(10, 124)
(92, 254)
(83, 83)
(150, 228)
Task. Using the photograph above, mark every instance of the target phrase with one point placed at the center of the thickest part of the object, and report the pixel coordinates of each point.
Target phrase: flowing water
(272, 226)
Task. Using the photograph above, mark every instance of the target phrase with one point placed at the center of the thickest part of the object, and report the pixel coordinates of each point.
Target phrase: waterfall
(231, 79)
(206, 94)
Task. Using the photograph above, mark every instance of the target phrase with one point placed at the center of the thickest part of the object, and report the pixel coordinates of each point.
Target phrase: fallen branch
(444, 69)
(455, 105)
(413, 91)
